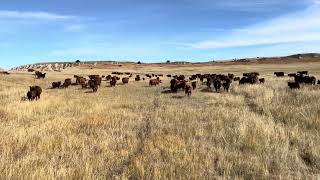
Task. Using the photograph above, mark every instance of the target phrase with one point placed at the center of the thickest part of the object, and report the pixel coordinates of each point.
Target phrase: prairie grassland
(136, 132)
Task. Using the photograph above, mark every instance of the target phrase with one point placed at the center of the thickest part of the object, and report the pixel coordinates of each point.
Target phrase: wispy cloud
(303, 26)
(75, 27)
(39, 15)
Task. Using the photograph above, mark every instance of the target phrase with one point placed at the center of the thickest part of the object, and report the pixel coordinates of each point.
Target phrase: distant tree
(168, 61)
(77, 61)
(138, 62)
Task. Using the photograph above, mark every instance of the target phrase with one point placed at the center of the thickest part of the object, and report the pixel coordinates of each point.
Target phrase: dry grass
(135, 131)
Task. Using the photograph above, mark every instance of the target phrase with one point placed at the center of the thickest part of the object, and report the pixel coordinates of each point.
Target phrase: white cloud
(303, 26)
(34, 15)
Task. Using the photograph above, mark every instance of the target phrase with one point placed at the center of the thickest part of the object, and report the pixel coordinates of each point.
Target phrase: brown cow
(56, 84)
(34, 93)
(125, 80)
(93, 84)
(113, 81)
(67, 83)
(40, 75)
(154, 82)
(108, 78)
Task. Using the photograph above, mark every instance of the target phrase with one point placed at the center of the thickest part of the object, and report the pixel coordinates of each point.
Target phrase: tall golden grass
(133, 131)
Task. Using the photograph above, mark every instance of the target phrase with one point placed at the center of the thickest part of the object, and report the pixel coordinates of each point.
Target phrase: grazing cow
(40, 75)
(217, 84)
(303, 72)
(293, 85)
(56, 84)
(236, 79)
(67, 83)
(188, 90)
(113, 81)
(96, 78)
(249, 80)
(81, 81)
(125, 80)
(93, 84)
(262, 80)
(318, 82)
(194, 85)
(31, 70)
(292, 74)
(34, 93)
(181, 78)
(154, 82)
(143, 78)
(31, 95)
(108, 78)
(300, 78)
(231, 76)
(251, 74)
(310, 80)
(279, 74)
(169, 75)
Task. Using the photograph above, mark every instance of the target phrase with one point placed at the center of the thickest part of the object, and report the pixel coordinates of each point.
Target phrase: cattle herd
(177, 83)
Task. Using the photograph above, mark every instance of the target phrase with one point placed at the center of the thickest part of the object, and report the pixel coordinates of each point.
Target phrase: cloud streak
(303, 26)
(39, 15)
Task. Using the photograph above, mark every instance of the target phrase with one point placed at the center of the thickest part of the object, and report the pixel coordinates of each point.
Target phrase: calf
(188, 90)
(262, 80)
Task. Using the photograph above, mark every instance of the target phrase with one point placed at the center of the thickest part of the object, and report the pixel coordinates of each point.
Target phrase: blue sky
(154, 31)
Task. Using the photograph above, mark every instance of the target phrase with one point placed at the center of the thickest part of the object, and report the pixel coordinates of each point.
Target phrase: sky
(155, 31)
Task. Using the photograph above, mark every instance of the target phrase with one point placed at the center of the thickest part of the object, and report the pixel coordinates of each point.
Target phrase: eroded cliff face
(45, 67)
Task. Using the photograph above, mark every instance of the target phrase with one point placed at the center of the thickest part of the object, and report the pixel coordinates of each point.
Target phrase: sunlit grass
(135, 131)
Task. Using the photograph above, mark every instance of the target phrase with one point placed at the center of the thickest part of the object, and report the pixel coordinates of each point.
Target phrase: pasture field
(134, 131)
